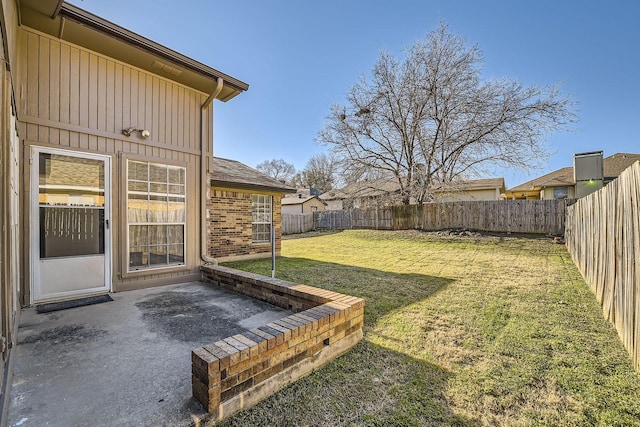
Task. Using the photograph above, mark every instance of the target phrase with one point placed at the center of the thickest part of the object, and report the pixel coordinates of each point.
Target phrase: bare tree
(319, 173)
(277, 169)
(431, 119)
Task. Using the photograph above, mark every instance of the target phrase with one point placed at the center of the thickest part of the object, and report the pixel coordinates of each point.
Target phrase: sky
(301, 57)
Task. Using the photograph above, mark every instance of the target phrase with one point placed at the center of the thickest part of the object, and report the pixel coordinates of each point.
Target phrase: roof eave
(246, 186)
(96, 23)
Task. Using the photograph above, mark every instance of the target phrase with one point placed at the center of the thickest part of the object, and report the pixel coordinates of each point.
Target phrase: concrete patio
(125, 362)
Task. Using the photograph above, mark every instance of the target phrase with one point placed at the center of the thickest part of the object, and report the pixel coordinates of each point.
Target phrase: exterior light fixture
(143, 132)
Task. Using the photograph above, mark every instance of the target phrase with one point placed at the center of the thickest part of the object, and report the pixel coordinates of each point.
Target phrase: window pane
(137, 208)
(138, 235)
(156, 188)
(176, 189)
(157, 173)
(157, 234)
(138, 186)
(177, 210)
(71, 231)
(138, 257)
(175, 234)
(261, 232)
(158, 255)
(176, 254)
(158, 209)
(70, 181)
(138, 171)
(176, 175)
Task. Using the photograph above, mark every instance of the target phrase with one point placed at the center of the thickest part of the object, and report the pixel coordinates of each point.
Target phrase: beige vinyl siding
(547, 193)
(69, 85)
(72, 98)
(10, 242)
(470, 195)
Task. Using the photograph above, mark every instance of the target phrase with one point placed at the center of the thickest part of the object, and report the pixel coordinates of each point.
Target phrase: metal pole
(273, 252)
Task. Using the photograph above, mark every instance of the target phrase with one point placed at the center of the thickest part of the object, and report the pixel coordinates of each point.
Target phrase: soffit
(84, 29)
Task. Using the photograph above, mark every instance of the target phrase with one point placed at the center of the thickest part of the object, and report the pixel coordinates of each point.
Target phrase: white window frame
(261, 215)
(148, 222)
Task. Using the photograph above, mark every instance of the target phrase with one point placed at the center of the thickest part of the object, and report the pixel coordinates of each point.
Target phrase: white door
(70, 230)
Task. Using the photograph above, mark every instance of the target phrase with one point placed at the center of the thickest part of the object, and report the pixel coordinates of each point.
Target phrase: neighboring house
(561, 184)
(384, 192)
(365, 194)
(302, 205)
(107, 142)
(243, 206)
(304, 192)
(472, 190)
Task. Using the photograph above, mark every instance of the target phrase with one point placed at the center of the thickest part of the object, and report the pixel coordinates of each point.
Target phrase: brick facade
(230, 224)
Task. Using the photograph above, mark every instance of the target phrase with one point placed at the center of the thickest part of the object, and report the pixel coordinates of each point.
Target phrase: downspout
(205, 180)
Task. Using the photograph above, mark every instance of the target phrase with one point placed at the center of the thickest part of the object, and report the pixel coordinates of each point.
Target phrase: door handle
(106, 223)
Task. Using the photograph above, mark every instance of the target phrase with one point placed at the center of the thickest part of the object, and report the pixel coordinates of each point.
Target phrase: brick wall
(230, 224)
(241, 370)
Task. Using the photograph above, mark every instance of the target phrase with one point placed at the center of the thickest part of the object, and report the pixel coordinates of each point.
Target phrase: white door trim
(36, 294)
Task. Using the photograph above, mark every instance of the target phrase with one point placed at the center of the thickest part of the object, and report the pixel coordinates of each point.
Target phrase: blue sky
(300, 57)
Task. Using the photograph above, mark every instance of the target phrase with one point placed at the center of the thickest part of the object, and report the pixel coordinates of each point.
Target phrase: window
(156, 215)
(560, 193)
(261, 218)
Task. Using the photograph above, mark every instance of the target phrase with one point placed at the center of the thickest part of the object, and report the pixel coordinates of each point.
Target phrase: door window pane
(71, 199)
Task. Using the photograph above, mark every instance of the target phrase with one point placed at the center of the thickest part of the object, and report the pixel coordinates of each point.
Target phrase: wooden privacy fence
(297, 223)
(603, 237)
(508, 216)
(511, 216)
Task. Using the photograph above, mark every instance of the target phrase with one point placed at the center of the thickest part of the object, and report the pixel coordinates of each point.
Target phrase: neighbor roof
(373, 188)
(559, 178)
(615, 164)
(297, 200)
(235, 174)
(469, 185)
(380, 187)
(75, 25)
(613, 167)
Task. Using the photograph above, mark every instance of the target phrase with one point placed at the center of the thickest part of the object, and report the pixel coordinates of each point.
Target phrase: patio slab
(125, 362)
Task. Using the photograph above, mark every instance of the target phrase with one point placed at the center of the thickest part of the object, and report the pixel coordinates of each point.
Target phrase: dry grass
(458, 331)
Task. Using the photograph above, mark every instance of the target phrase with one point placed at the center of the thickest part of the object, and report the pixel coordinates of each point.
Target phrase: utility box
(588, 172)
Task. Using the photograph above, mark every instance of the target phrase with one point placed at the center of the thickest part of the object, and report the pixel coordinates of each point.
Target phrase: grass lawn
(458, 331)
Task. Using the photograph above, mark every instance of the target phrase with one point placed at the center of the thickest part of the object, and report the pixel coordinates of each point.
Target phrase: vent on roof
(166, 68)
(588, 172)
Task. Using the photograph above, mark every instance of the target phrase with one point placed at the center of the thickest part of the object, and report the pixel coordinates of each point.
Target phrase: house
(302, 205)
(470, 190)
(243, 205)
(561, 183)
(107, 150)
(304, 192)
(364, 194)
(383, 192)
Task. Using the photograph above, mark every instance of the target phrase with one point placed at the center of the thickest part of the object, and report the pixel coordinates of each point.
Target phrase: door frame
(34, 226)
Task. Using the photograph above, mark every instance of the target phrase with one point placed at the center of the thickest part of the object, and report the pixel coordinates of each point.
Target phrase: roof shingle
(231, 172)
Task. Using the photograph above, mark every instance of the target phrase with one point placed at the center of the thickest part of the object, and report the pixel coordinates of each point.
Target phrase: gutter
(205, 180)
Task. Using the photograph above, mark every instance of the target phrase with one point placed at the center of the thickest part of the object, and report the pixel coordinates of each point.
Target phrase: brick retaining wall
(241, 370)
